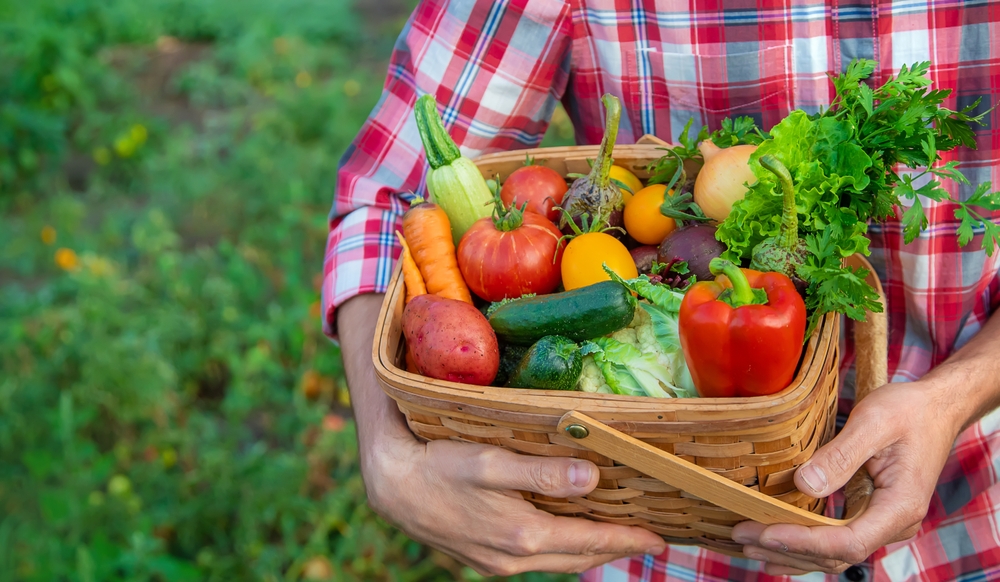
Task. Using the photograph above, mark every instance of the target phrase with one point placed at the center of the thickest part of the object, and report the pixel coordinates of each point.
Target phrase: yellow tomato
(628, 178)
(643, 219)
(584, 256)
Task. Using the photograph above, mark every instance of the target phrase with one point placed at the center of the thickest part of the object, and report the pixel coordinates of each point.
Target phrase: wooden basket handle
(650, 139)
(871, 347)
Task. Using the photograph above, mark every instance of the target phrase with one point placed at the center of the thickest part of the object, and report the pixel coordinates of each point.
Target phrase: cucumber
(552, 363)
(580, 314)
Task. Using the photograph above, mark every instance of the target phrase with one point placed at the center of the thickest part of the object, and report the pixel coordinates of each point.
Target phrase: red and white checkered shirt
(498, 68)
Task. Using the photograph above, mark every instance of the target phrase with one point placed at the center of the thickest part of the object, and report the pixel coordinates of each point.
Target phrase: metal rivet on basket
(577, 431)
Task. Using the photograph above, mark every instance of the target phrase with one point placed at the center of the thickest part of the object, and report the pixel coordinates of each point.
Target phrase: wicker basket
(688, 469)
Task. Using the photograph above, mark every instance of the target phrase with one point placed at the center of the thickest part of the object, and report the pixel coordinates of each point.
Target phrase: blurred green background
(169, 408)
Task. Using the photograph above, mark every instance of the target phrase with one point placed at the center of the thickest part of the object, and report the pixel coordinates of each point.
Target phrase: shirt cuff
(361, 252)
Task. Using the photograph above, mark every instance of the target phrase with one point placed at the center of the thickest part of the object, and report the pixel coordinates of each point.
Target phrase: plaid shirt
(499, 68)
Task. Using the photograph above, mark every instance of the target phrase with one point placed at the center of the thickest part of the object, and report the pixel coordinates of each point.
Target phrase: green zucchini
(580, 314)
(453, 181)
(552, 363)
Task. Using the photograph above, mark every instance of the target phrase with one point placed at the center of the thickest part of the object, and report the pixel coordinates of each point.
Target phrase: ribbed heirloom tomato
(510, 254)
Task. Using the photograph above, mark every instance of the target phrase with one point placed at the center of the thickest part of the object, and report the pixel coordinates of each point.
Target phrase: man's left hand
(902, 433)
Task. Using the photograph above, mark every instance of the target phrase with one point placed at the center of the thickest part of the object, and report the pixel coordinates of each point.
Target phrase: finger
(499, 469)
(892, 516)
(885, 518)
(748, 533)
(865, 434)
(796, 562)
(549, 534)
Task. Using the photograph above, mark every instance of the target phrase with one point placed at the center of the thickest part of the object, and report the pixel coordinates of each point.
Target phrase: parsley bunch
(843, 163)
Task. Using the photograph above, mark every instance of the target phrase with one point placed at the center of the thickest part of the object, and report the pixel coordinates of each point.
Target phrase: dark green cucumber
(552, 363)
(510, 357)
(580, 314)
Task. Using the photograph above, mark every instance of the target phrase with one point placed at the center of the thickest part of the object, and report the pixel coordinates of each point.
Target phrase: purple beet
(644, 256)
(696, 245)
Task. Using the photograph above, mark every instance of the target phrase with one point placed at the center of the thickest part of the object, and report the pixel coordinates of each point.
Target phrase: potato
(451, 340)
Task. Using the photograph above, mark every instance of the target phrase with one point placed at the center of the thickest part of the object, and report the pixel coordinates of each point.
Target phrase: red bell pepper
(742, 334)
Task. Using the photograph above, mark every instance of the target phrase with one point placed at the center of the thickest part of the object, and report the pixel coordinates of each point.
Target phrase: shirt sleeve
(497, 70)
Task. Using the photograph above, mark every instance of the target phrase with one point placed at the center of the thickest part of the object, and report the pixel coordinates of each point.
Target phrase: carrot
(428, 232)
(412, 278)
(411, 363)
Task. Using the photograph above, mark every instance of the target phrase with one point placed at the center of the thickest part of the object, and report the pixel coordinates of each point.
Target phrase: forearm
(967, 384)
(377, 417)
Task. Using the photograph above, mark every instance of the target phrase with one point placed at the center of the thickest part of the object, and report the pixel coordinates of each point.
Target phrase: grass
(169, 408)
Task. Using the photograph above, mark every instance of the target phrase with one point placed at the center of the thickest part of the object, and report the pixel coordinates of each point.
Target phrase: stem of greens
(789, 234)
(438, 145)
(603, 165)
(742, 293)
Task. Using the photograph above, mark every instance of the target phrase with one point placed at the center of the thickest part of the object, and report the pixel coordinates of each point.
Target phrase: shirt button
(854, 574)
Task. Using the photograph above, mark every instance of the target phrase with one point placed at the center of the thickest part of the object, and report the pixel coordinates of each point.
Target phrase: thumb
(835, 463)
(551, 476)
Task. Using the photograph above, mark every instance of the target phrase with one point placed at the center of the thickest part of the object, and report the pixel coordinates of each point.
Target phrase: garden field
(169, 407)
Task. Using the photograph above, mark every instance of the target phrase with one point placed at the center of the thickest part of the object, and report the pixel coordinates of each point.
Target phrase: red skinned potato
(451, 340)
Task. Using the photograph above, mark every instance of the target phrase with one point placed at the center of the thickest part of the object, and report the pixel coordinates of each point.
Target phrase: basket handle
(684, 475)
(871, 347)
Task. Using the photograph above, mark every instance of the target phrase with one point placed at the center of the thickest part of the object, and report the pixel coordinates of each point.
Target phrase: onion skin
(720, 181)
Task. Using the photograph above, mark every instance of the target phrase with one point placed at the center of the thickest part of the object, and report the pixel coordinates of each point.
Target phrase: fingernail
(743, 539)
(774, 545)
(579, 474)
(655, 550)
(754, 555)
(814, 478)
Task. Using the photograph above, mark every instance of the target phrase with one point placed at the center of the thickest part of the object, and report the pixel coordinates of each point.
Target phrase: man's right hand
(462, 498)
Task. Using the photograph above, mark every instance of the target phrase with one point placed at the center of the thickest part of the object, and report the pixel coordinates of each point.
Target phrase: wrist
(380, 424)
(960, 393)
(967, 385)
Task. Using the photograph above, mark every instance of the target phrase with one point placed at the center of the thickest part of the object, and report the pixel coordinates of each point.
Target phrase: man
(498, 69)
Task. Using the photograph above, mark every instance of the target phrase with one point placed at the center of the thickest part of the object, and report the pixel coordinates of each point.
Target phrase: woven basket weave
(687, 469)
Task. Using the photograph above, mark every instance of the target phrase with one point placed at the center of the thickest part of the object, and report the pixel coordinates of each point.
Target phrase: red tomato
(498, 264)
(541, 187)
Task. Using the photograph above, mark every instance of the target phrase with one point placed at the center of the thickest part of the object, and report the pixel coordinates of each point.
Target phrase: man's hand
(462, 498)
(902, 433)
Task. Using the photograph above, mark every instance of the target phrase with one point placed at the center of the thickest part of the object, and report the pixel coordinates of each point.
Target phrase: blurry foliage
(169, 408)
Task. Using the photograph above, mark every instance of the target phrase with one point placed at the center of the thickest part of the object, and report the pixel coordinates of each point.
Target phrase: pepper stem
(439, 148)
(742, 293)
(604, 159)
(789, 233)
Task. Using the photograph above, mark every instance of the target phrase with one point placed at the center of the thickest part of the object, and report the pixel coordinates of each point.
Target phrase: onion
(720, 182)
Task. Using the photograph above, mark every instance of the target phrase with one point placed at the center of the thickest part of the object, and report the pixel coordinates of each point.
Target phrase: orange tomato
(583, 259)
(628, 178)
(643, 219)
